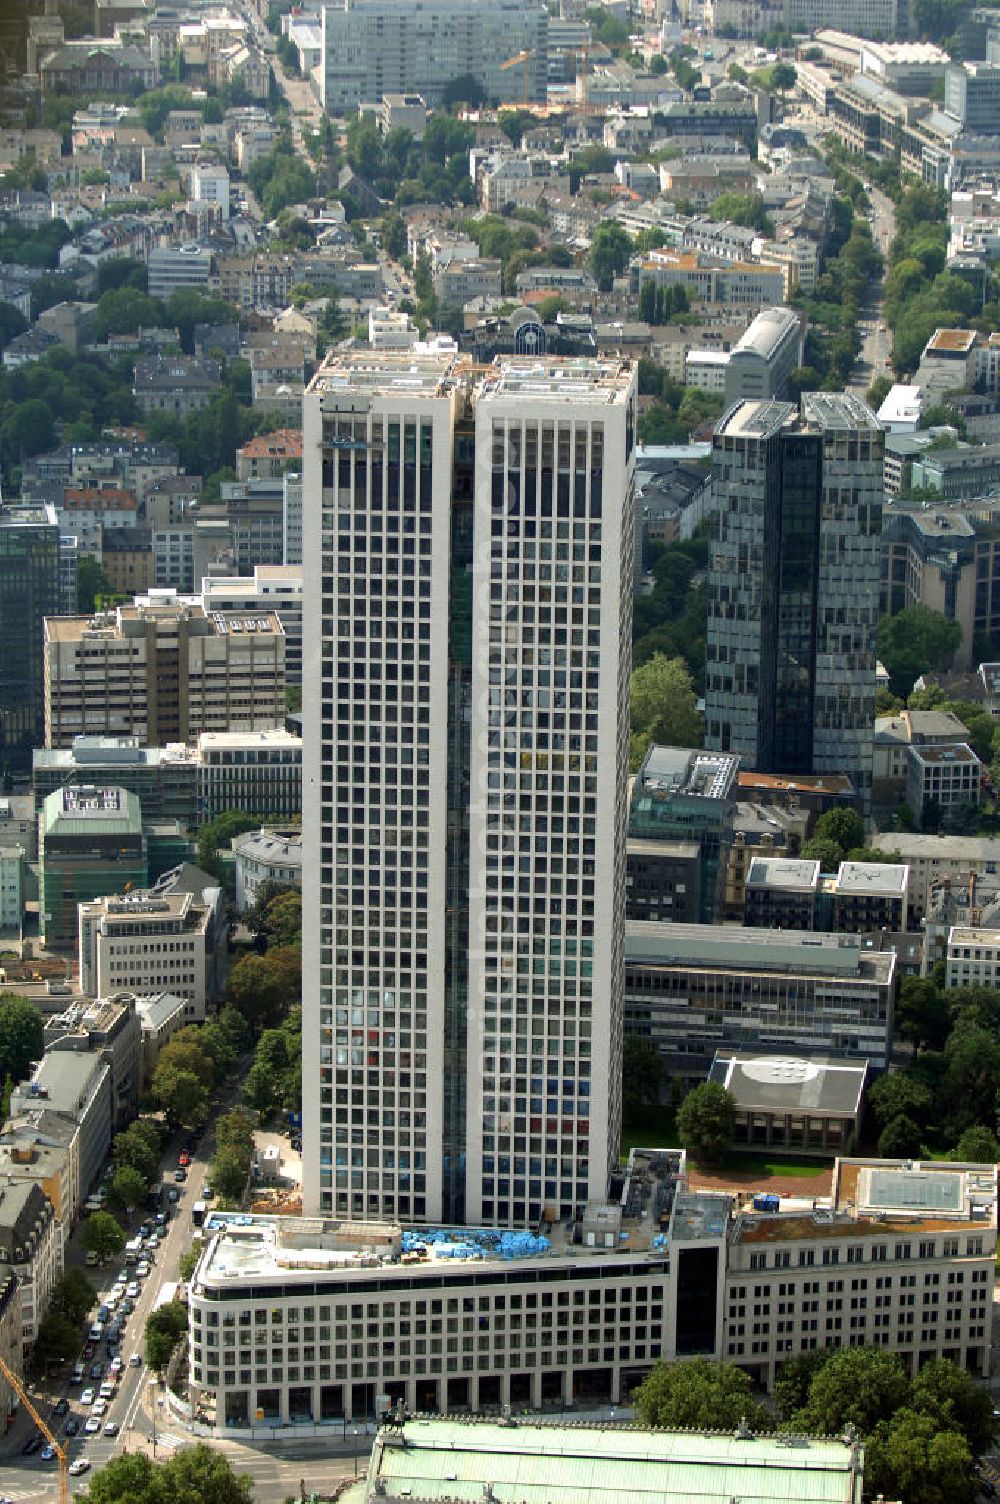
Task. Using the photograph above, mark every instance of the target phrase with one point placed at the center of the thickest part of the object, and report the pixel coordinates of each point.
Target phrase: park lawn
(652, 1129)
(764, 1164)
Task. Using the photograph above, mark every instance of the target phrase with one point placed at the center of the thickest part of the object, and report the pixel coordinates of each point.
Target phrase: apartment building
(693, 989)
(163, 672)
(745, 285)
(175, 384)
(301, 1321)
(108, 1027)
(77, 1088)
(31, 1250)
(972, 957)
(376, 48)
(933, 859)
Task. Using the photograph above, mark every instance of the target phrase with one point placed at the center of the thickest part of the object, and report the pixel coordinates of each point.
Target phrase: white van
(133, 1250)
(96, 1332)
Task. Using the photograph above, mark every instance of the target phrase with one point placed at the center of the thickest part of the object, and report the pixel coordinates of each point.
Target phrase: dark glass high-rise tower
(793, 586)
(29, 591)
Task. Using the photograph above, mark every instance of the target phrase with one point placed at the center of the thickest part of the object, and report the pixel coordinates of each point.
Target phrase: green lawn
(766, 1164)
(652, 1129)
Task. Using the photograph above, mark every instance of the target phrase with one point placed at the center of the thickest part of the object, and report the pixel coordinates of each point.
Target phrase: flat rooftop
(679, 770)
(530, 1462)
(549, 379)
(943, 756)
(950, 342)
(383, 371)
(885, 1197)
(968, 934)
(784, 1083)
(786, 873)
(873, 879)
(275, 1249)
(731, 949)
(832, 783)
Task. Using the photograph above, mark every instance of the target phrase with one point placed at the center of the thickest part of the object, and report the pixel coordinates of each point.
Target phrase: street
(876, 339)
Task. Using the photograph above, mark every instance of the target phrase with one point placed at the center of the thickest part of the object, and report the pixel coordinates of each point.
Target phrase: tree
(899, 1092)
(394, 235)
(910, 1458)
(821, 849)
(128, 1189)
(901, 1138)
(845, 826)
(978, 1146)
(745, 209)
(698, 1395)
(945, 1391)
(859, 1386)
(12, 323)
(188, 1261)
(705, 1121)
(22, 1035)
(922, 1013)
(57, 1341)
(229, 1174)
(91, 582)
(73, 1296)
(181, 1094)
(217, 835)
(793, 1378)
(642, 1076)
(234, 1140)
(138, 1147)
(664, 709)
(914, 641)
(27, 430)
(164, 1329)
(103, 1235)
(263, 988)
(610, 251)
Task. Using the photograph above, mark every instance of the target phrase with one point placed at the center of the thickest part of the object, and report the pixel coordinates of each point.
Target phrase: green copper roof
(580, 1464)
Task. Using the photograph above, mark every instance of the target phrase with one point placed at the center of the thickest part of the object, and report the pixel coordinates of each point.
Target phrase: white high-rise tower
(467, 543)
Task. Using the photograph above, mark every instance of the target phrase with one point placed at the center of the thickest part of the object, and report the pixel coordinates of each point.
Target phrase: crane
(62, 1456)
(513, 62)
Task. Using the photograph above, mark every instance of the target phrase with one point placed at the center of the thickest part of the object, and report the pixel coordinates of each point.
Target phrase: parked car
(107, 1390)
(142, 1270)
(97, 1370)
(72, 1426)
(110, 1428)
(92, 1426)
(180, 1175)
(135, 1361)
(79, 1465)
(173, 1194)
(99, 1407)
(183, 1159)
(61, 1407)
(88, 1396)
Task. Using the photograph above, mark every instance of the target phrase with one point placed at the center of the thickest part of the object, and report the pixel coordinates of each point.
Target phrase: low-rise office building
(693, 989)
(163, 670)
(972, 958)
(164, 779)
(866, 897)
(611, 1465)
(258, 772)
(941, 779)
(91, 843)
(681, 799)
(147, 943)
(810, 1104)
(304, 1320)
(761, 361)
(160, 1015)
(932, 859)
